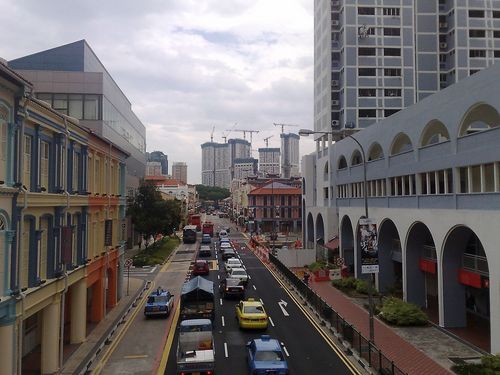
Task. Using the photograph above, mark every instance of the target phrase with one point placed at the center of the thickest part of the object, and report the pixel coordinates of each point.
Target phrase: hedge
(401, 313)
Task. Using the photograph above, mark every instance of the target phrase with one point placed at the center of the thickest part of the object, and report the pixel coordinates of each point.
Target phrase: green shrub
(315, 266)
(401, 313)
(490, 365)
(362, 287)
(345, 284)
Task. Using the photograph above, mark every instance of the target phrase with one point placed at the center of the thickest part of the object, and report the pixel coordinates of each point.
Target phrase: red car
(200, 268)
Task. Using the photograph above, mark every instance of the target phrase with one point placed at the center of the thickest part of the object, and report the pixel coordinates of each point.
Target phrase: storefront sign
(369, 246)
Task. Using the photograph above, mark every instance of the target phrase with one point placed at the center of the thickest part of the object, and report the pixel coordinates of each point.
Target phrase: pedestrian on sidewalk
(306, 278)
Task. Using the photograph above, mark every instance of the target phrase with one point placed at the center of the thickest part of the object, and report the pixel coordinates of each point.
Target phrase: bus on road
(189, 234)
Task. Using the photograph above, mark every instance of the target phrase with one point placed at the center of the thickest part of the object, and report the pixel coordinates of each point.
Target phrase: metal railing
(357, 342)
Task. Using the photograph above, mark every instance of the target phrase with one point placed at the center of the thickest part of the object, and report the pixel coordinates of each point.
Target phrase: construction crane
(245, 131)
(212, 134)
(283, 126)
(224, 136)
(267, 141)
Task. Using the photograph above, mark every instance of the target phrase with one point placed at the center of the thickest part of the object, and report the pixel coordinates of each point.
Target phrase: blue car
(266, 357)
(160, 302)
(206, 239)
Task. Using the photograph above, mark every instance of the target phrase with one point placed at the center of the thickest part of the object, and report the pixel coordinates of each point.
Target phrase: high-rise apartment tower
(372, 60)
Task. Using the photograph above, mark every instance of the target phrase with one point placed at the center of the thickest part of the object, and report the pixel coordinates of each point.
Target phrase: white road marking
(249, 277)
(218, 276)
(225, 350)
(254, 287)
(223, 322)
(221, 301)
(260, 299)
(284, 349)
(282, 304)
(271, 321)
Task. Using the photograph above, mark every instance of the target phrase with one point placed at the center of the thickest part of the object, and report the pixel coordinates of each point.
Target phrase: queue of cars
(264, 354)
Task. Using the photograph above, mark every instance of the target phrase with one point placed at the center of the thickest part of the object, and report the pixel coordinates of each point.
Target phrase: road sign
(128, 263)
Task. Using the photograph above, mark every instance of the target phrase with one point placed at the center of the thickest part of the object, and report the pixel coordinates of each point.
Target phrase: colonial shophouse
(48, 264)
(276, 207)
(433, 189)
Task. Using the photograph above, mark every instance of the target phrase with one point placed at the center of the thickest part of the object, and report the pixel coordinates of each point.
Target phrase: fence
(365, 349)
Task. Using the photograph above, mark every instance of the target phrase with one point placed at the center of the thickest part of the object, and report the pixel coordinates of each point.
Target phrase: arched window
(401, 144)
(342, 163)
(356, 158)
(479, 118)
(434, 132)
(375, 152)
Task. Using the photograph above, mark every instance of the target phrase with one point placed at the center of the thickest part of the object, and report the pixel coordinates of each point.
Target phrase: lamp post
(340, 135)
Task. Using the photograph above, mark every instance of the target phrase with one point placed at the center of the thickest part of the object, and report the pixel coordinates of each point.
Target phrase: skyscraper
(179, 171)
(289, 155)
(160, 157)
(217, 161)
(374, 59)
(269, 160)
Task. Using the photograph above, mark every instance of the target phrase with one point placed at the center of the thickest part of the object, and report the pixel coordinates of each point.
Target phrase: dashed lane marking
(271, 321)
(225, 350)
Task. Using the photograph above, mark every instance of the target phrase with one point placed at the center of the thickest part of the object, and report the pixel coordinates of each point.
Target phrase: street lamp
(337, 136)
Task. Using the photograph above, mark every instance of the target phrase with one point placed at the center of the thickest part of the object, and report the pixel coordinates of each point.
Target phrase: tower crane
(212, 134)
(283, 126)
(228, 131)
(245, 131)
(267, 141)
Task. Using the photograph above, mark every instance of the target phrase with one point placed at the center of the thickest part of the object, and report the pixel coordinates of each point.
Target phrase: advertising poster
(369, 246)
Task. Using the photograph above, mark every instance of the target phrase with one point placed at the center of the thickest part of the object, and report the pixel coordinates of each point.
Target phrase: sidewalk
(415, 350)
(85, 352)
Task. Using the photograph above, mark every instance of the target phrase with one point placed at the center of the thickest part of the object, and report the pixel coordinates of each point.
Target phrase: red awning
(333, 244)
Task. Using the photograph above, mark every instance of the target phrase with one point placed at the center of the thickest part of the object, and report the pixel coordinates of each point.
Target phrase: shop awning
(333, 244)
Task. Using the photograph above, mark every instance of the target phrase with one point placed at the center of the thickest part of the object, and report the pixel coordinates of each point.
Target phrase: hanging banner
(369, 246)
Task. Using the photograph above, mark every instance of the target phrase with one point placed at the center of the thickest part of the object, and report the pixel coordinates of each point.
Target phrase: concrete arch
(310, 228)
(342, 163)
(420, 285)
(465, 300)
(347, 243)
(479, 117)
(434, 132)
(356, 158)
(375, 152)
(320, 230)
(401, 143)
(5, 217)
(390, 277)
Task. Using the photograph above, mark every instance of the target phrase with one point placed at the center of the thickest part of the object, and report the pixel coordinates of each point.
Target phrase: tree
(151, 214)
(212, 193)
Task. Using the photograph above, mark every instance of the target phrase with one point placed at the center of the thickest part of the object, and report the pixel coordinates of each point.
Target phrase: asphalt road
(308, 352)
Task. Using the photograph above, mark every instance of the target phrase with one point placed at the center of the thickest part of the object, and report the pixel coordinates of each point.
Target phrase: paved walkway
(85, 351)
(415, 350)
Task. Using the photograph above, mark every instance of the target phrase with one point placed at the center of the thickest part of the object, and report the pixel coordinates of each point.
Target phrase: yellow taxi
(251, 314)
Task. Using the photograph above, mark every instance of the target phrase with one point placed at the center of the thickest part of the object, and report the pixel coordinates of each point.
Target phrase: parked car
(238, 273)
(229, 287)
(232, 263)
(200, 268)
(160, 302)
(265, 356)
(228, 253)
(205, 251)
(206, 239)
(251, 314)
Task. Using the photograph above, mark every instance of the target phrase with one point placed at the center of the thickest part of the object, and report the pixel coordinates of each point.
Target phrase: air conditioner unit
(335, 82)
(335, 102)
(443, 45)
(443, 25)
(335, 123)
(350, 125)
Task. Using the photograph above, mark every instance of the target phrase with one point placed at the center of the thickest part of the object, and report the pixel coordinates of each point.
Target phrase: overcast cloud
(187, 65)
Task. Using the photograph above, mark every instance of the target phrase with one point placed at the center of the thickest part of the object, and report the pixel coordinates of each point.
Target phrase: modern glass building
(375, 58)
(73, 81)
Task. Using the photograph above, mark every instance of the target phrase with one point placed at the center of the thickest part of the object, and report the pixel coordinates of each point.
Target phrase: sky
(187, 66)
